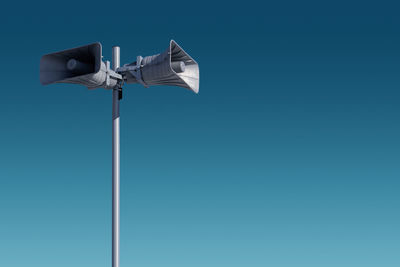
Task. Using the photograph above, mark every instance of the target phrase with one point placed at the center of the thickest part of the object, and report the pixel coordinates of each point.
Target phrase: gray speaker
(172, 67)
(82, 65)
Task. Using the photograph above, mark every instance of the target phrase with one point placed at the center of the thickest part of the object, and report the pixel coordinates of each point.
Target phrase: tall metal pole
(115, 163)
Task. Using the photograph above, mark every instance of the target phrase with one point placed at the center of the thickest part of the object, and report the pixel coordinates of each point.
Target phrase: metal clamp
(110, 74)
(134, 70)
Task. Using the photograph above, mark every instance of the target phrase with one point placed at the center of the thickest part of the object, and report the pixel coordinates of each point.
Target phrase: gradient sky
(288, 156)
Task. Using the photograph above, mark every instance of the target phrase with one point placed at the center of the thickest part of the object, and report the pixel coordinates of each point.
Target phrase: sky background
(288, 156)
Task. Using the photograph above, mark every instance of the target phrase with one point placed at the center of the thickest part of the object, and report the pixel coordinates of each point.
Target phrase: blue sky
(288, 156)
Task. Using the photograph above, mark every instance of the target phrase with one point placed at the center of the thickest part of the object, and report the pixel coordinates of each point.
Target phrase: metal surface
(161, 69)
(115, 164)
(83, 65)
(54, 66)
(178, 66)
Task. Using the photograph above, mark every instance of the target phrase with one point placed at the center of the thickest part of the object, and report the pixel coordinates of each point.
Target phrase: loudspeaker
(82, 65)
(173, 67)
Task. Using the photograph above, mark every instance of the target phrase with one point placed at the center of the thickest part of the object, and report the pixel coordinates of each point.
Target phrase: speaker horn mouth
(67, 65)
(190, 76)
